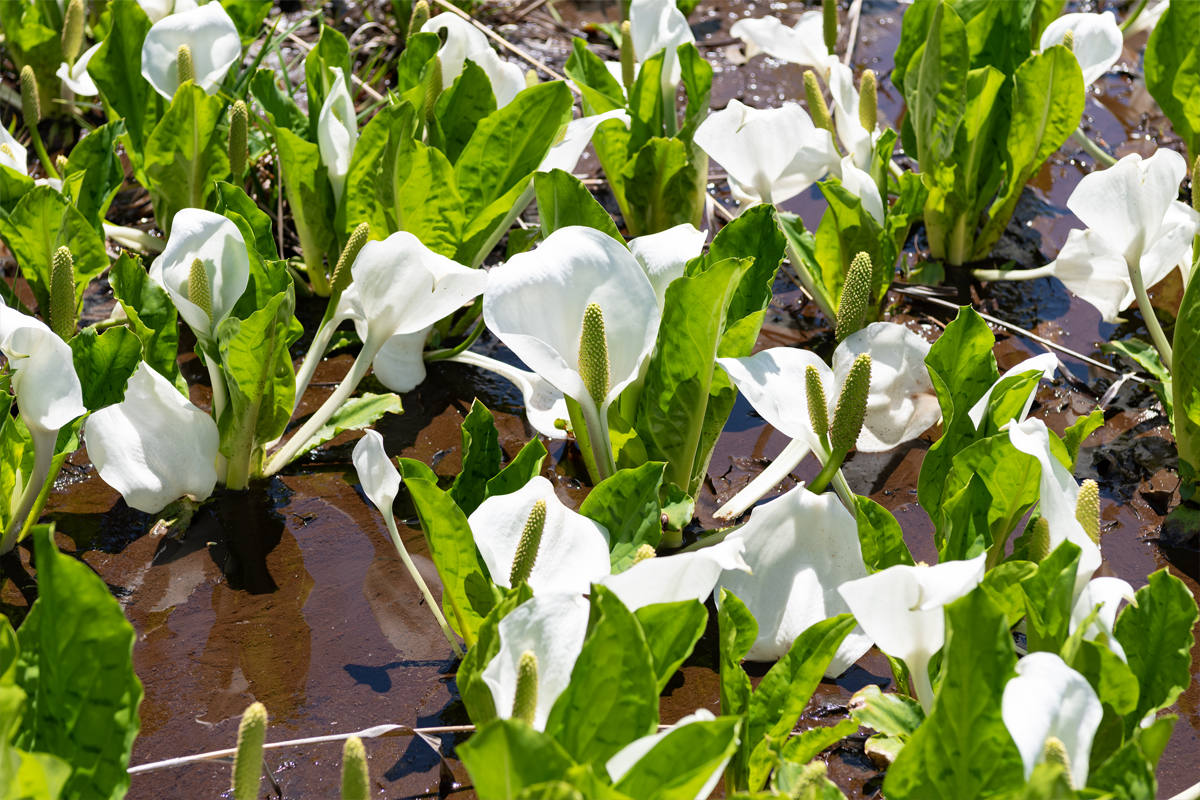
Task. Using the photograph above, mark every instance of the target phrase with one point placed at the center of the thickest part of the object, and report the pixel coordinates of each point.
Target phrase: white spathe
(803, 44)
(565, 154)
(629, 755)
(664, 255)
(552, 627)
(1046, 363)
(1133, 222)
(160, 9)
(76, 77)
(217, 242)
(337, 133)
(861, 185)
(901, 609)
(209, 33)
(671, 579)
(572, 554)
(1107, 592)
(1098, 41)
(466, 42)
(1048, 698)
(49, 394)
(770, 155)
(377, 474)
(800, 547)
(1059, 495)
(656, 25)
(544, 405)
(154, 446)
(17, 157)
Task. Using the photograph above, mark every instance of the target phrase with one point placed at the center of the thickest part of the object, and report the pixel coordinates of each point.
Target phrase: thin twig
(1028, 335)
(854, 14)
(374, 95)
(506, 44)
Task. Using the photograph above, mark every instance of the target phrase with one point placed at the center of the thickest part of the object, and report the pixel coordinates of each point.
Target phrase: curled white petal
(154, 446)
(1098, 41)
(1046, 363)
(376, 472)
(664, 255)
(804, 44)
(773, 381)
(544, 405)
(209, 33)
(629, 755)
(76, 77)
(671, 579)
(48, 391)
(565, 155)
(16, 157)
(337, 133)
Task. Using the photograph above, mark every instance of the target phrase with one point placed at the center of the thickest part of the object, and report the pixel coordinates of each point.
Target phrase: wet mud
(292, 594)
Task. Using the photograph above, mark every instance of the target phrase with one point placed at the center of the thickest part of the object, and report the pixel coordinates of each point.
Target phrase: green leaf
(1173, 71)
(937, 99)
(76, 667)
(1156, 634)
(418, 50)
(152, 316)
(42, 222)
(1048, 99)
(104, 363)
(247, 16)
(116, 69)
(518, 472)
(563, 200)
(13, 187)
(846, 230)
(753, 234)
(1185, 385)
(964, 531)
(914, 31)
(507, 755)
(784, 693)
(680, 373)
(1129, 772)
(627, 505)
(460, 108)
(234, 199)
(501, 156)
(1011, 479)
(1075, 435)
(331, 52)
(880, 536)
(451, 546)
(601, 92)
(681, 763)
(476, 695)
(808, 745)
(259, 377)
(671, 630)
(612, 698)
(366, 181)
(890, 714)
(1048, 598)
(354, 415)
(963, 748)
(1002, 584)
(480, 458)
(737, 630)
(186, 154)
(96, 173)
(962, 368)
(997, 33)
(281, 109)
(420, 193)
(660, 182)
(309, 195)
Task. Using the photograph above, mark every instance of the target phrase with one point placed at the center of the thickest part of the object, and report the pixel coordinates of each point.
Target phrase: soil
(292, 594)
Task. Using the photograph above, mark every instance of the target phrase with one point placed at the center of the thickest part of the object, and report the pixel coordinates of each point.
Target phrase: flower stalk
(184, 69)
(856, 296)
(817, 107)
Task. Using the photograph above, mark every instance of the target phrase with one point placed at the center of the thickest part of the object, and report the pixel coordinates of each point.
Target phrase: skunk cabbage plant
(465, 42)
(209, 34)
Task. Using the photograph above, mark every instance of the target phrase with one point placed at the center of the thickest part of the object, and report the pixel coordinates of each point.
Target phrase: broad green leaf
(997, 32)
(937, 98)
(1007, 401)
(309, 195)
(914, 31)
(495, 166)
(247, 16)
(963, 748)
(476, 695)
(16, 457)
(887, 713)
(506, 755)
(1075, 435)
(76, 667)
(354, 415)
(420, 194)
(280, 108)
(419, 48)
(1173, 71)
(1048, 98)
(680, 373)
(646, 104)
(152, 316)
(1048, 598)
(1010, 477)
(117, 71)
(1129, 772)
(13, 186)
(964, 531)
(611, 143)
(627, 505)
(480, 458)
(1115, 685)
(1003, 585)
(452, 548)
(808, 745)
(331, 52)
(671, 630)
(518, 472)
(460, 108)
(600, 91)
(681, 763)
(880, 536)
(259, 377)
(962, 368)
(234, 198)
(802, 245)
(662, 184)
(612, 698)
(96, 172)
(846, 230)
(1156, 634)
(362, 198)
(783, 694)
(563, 200)
(31, 776)
(42, 222)
(1185, 384)
(185, 154)
(104, 363)
(696, 75)
(753, 234)
(737, 630)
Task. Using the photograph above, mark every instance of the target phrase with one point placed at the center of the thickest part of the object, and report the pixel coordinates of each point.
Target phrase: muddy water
(292, 594)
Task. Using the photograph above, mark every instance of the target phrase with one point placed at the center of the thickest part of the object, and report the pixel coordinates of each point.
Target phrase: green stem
(821, 482)
(451, 352)
(1132, 18)
(1014, 274)
(580, 429)
(390, 521)
(47, 164)
(670, 123)
(1156, 331)
(197, 178)
(43, 456)
(806, 280)
(1092, 149)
